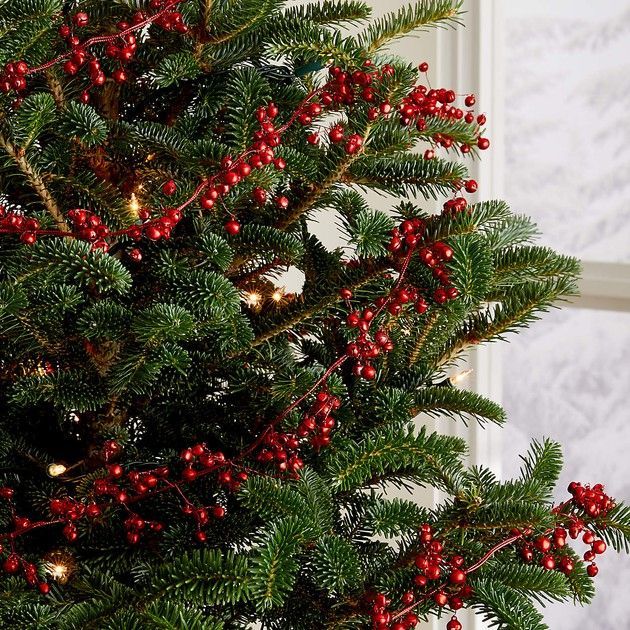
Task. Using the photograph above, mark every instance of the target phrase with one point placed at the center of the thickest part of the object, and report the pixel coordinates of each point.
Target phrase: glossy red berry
(483, 143)
(81, 19)
(423, 67)
(457, 576)
(259, 195)
(232, 227)
(169, 188)
(592, 570)
(471, 186)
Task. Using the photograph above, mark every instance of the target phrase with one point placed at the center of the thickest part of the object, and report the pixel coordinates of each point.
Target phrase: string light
(59, 565)
(457, 379)
(134, 204)
(278, 295)
(54, 470)
(253, 299)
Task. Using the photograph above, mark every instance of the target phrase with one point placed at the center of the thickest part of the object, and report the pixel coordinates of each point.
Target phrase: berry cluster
(14, 223)
(594, 501)
(586, 503)
(363, 349)
(547, 550)
(435, 565)
(89, 227)
(121, 48)
(317, 422)
(423, 102)
(281, 449)
(441, 577)
(14, 77)
(409, 237)
(14, 564)
(454, 206)
(382, 617)
(135, 525)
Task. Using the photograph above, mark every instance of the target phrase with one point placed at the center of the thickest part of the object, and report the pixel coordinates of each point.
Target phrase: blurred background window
(567, 164)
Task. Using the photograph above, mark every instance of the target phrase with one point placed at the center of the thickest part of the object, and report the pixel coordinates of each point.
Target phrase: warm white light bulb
(134, 204)
(57, 571)
(253, 299)
(456, 379)
(54, 470)
(277, 295)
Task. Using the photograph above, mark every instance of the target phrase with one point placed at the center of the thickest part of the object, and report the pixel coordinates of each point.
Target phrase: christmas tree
(185, 444)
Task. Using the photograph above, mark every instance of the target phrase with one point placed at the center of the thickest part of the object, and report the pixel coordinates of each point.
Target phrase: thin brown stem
(34, 179)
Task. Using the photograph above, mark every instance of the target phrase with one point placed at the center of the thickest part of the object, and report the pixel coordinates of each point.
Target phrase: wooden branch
(56, 90)
(35, 180)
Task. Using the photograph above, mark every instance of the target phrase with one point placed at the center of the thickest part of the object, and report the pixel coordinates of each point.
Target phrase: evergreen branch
(505, 608)
(424, 458)
(447, 400)
(406, 20)
(407, 175)
(207, 577)
(36, 181)
(421, 339)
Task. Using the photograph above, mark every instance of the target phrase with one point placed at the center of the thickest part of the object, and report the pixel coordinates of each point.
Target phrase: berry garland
(442, 574)
(343, 88)
(274, 447)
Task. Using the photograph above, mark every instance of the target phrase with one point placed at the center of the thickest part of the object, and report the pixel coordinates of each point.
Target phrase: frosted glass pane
(567, 69)
(568, 378)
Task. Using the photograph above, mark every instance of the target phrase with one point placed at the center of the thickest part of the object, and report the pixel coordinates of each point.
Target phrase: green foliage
(74, 261)
(336, 565)
(406, 20)
(176, 68)
(82, 122)
(210, 577)
(396, 453)
(505, 608)
(408, 175)
(36, 113)
(167, 352)
(458, 404)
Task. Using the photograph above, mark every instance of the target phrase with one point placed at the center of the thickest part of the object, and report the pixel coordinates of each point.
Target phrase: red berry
(70, 68)
(599, 546)
(483, 143)
(457, 576)
(81, 19)
(471, 186)
(440, 598)
(423, 67)
(592, 570)
(169, 188)
(548, 562)
(11, 564)
(232, 227)
(259, 195)
(119, 75)
(336, 134)
(153, 233)
(368, 372)
(454, 624)
(44, 588)
(470, 100)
